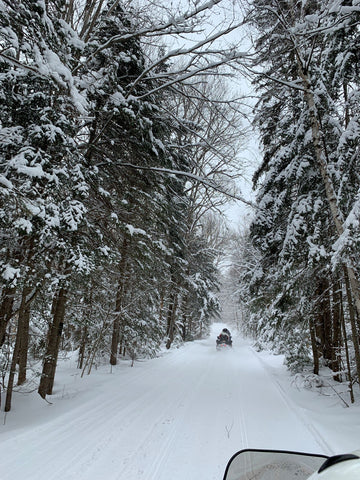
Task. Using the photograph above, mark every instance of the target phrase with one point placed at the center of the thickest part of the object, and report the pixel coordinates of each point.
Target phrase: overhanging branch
(204, 181)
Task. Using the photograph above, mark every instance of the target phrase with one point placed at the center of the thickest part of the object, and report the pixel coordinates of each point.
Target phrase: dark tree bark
(118, 304)
(14, 360)
(184, 323)
(86, 316)
(314, 346)
(171, 319)
(122, 349)
(82, 347)
(12, 372)
(6, 307)
(336, 328)
(349, 375)
(323, 323)
(24, 334)
(352, 314)
(55, 331)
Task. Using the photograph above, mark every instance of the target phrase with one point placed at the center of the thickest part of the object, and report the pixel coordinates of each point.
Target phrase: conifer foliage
(304, 292)
(96, 254)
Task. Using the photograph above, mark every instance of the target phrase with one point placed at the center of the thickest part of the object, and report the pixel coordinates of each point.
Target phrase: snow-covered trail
(180, 416)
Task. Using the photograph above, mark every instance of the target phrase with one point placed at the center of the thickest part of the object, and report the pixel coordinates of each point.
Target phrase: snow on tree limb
(204, 181)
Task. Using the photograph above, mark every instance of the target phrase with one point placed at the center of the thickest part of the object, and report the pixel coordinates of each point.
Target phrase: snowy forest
(123, 126)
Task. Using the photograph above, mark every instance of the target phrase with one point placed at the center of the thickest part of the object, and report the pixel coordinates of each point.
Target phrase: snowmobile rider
(224, 337)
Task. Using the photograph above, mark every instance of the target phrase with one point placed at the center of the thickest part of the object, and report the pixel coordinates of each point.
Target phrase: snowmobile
(223, 341)
(286, 465)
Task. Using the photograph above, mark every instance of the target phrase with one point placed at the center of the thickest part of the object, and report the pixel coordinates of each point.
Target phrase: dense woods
(299, 264)
(120, 140)
(110, 167)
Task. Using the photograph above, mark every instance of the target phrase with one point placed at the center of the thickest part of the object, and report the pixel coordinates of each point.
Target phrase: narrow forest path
(178, 417)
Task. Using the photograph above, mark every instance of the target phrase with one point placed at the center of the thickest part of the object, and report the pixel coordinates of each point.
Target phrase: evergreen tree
(42, 182)
(96, 250)
(300, 219)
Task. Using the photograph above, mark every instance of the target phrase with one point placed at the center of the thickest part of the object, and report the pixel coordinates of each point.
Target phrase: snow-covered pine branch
(202, 180)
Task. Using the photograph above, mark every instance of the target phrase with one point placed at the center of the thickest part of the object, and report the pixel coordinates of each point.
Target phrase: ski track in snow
(180, 416)
(322, 443)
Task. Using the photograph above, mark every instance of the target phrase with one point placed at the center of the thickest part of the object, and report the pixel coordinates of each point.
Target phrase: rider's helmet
(339, 467)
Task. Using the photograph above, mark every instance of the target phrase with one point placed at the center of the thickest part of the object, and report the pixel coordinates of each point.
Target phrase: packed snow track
(180, 416)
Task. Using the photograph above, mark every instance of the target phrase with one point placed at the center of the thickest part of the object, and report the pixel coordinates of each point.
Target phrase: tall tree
(94, 176)
(303, 119)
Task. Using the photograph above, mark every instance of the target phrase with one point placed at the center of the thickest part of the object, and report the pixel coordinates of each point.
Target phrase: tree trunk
(342, 319)
(327, 321)
(323, 319)
(118, 304)
(122, 345)
(184, 331)
(161, 307)
(24, 334)
(86, 318)
(314, 346)
(352, 315)
(184, 310)
(55, 331)
(82, 347)
(116, 331)
(12, 370)
(336, 328)
(56, 354)
(171, 320)
(15, 355)
(6, 307)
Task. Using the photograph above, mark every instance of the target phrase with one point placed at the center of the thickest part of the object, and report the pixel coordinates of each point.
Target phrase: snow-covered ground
(179, 416)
